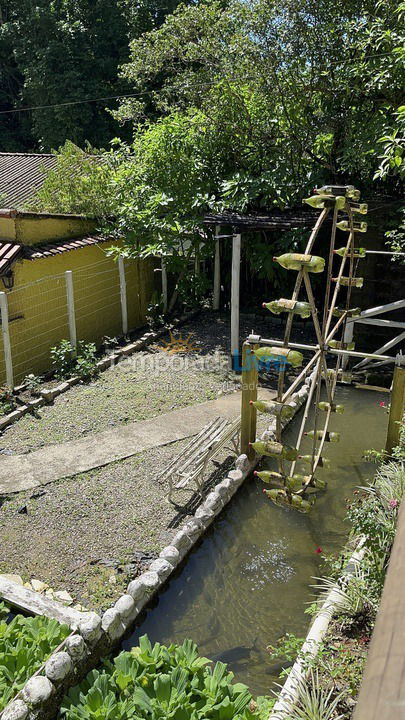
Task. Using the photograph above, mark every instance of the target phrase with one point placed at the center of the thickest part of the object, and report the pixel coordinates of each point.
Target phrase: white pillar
(217, 271)
(71, 309)
(236, 250)
(6, 340)
(123, 295)
(164, 285)
(347, 338)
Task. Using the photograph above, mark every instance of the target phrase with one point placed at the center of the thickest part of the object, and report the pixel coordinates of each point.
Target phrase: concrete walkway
(40, 467)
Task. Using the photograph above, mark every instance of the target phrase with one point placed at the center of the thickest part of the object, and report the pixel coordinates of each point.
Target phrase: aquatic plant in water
(25, 643)
(160, 682)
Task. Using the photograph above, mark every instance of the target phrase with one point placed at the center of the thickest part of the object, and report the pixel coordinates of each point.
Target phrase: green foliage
(315, 702)
(79, 184)
(242, 106)
(60, 53)
(32, 383)
(287, 647)
(160, 682)
(7, 400)
(25, 643)
(396, 238)
(66, 363)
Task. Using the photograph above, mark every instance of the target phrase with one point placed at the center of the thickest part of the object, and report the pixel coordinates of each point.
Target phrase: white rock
(137, 590)
(193, 529)
(182, 542)
(205, 515)
(58, 666)
(214, 501)
(236, 476)
(171, 554)
(90, 627)
(161, 567)
(242, 462)
(76, 647)
(37, 690)
(222, 490)
(13, 578)
(151, 581)
(126, 607)
(112, 624)
(17, 710)
(38, 585)
(63, 597)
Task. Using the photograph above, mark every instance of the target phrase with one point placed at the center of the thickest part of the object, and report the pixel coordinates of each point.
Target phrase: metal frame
(367, 317)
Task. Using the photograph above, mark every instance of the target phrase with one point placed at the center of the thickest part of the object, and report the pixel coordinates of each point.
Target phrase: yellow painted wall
(34, 228)
(38, 308)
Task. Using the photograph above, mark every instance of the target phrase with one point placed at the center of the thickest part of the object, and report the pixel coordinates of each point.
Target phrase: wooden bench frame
(191, 464)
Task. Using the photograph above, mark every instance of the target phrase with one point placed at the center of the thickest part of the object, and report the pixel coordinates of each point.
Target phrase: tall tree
(58, 53)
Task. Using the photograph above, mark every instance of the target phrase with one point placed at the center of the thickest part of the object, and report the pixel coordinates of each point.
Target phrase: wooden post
(217, 271)
(165, 298)
(6, 340)
(236, 250)
(123, 295)
(382, 692)
(397, 407)
(249, 392)
(71, 309)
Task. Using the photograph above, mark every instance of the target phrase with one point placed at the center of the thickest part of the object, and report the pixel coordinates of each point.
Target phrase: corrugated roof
(272, 220)
(21, 175)
(34, 252)
(10, 252)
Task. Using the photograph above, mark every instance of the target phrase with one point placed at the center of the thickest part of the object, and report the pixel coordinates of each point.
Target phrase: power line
(150, 92)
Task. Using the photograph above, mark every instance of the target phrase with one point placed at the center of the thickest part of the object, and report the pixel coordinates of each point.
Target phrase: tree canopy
(55, 54)
(249, 104)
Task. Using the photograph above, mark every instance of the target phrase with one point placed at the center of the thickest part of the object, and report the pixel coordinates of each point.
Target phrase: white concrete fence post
(165, 297)
(123, 295)
(6, 340)
(71, 309)
(217, 271)
(236, 252)
(347, 338)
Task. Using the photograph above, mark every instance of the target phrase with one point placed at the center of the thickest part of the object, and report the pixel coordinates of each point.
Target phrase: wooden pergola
(235, 224)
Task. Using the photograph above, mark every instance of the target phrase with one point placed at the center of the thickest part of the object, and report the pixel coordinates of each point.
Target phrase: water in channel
(248, 582)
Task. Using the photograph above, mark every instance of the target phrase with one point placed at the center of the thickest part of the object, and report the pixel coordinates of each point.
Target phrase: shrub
(66, 363)
(7, 400)
(32, 383)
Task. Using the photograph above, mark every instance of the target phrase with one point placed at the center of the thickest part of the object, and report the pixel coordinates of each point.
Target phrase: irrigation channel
(249, 581)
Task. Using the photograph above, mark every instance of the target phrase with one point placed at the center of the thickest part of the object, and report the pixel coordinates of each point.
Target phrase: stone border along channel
(94, 637)
(47, 396)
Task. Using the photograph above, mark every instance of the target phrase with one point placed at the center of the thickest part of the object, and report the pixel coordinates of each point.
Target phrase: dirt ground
(92, 533)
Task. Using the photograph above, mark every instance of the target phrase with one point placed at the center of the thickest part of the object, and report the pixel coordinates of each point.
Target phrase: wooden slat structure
(382, 694)
(190, 466)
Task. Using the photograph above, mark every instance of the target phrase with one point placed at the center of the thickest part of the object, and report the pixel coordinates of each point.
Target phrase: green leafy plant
(32, 383)
(67, 363)
(172, 683)
(25, 643)
(7, 400)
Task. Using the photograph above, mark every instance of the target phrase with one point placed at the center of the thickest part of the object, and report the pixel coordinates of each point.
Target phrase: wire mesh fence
(38, 312)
